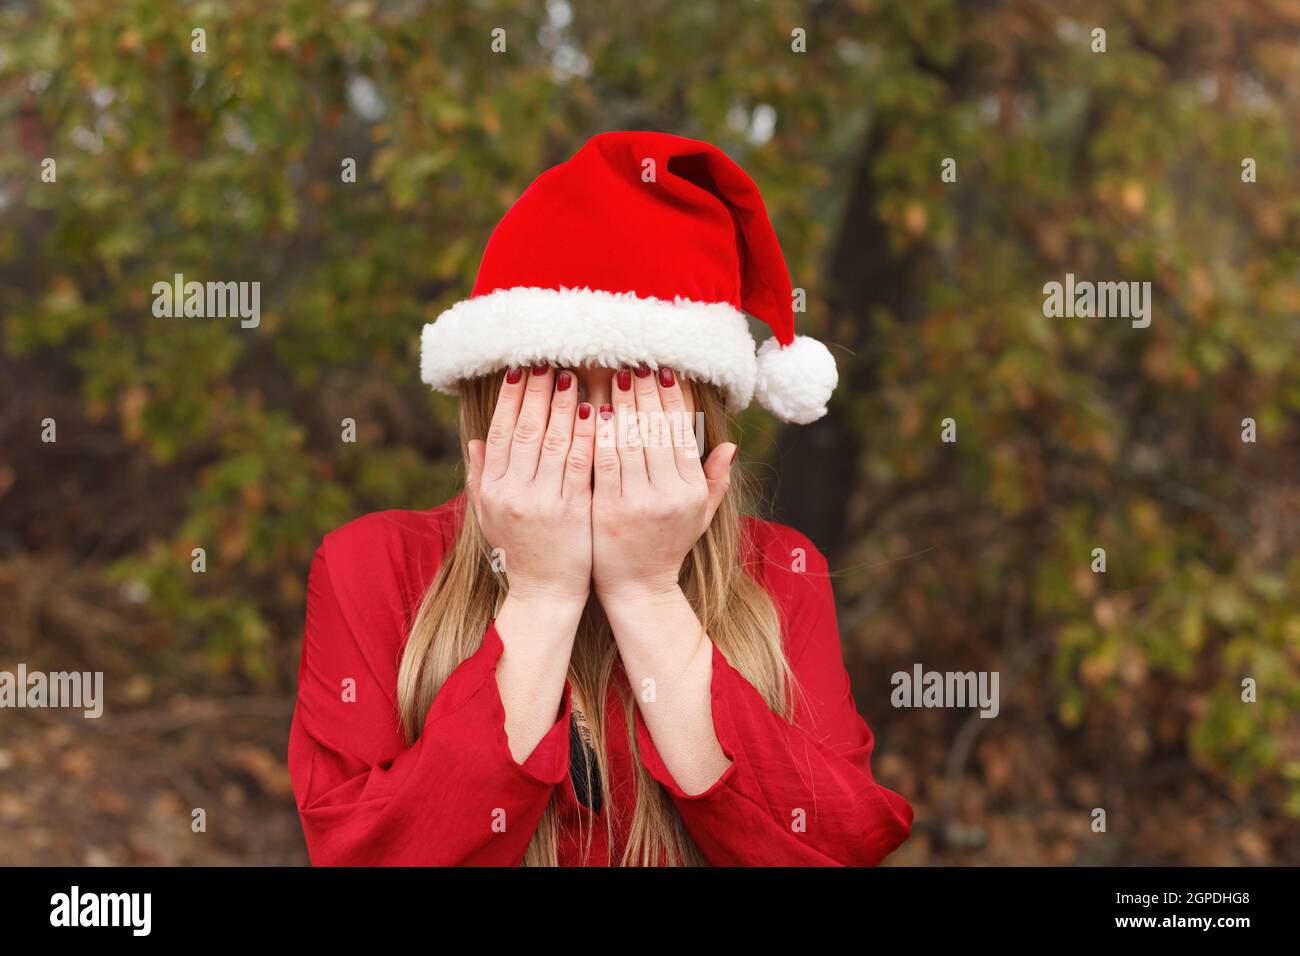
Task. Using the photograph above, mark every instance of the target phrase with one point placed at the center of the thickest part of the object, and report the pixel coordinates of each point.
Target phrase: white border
(707, 341)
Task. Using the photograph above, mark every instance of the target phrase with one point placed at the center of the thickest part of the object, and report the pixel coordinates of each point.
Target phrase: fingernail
(624, 379)
(584, 411)
(642, 370)
(513, 375)
(606, 412)
(540, 368)
(666, 378)
(563, 380)
(732, 456)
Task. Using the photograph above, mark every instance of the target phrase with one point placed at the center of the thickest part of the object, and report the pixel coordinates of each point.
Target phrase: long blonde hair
(736, 612)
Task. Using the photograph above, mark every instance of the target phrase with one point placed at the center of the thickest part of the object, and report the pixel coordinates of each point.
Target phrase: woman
(592, 657)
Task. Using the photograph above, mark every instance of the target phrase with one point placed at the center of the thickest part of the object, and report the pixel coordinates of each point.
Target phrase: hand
(530, 484)
(653, 498)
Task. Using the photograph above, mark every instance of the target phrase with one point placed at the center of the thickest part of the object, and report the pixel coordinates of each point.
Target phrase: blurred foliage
(1073, 434)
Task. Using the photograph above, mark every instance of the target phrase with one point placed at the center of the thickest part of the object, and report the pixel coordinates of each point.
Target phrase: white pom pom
(795, 382)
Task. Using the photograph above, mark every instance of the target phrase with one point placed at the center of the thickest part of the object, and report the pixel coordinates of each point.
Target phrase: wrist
(640, 598)
(544, 595)
(542, 605)
(653, 625)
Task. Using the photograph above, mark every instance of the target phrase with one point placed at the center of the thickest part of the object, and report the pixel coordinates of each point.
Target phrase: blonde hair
(736, 612)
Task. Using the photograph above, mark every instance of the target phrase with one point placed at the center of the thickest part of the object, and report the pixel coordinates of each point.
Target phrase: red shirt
(800, 794)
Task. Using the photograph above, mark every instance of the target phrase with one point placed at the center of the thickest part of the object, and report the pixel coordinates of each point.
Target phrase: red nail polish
(584, 411)
(513, 375)
(624, 379)
(540, 368)
(666, 377)
(563, 380)
(642, 370)
(606, 412)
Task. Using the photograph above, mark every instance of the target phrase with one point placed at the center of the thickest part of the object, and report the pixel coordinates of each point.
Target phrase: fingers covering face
(539, 434)
(671, 450)
(607, 477)
(685, 447)
(530, 424)
(627, 434)
(577, 470)
(501, 431)
(657, 435)
(559, 434)
(643, 438)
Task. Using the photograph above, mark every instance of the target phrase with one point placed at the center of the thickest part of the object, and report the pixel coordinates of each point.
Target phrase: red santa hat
(642, 247)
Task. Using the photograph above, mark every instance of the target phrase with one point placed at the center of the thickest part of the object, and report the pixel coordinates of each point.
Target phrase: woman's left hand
(653, 498)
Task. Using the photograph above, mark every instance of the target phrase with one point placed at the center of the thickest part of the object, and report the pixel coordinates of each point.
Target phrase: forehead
(594, 371)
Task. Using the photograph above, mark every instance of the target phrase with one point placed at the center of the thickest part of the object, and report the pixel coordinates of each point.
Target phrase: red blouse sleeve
(795, 794)
(457, 796)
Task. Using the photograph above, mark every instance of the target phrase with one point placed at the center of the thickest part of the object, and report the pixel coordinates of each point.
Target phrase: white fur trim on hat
(706, 341)
(795, 382)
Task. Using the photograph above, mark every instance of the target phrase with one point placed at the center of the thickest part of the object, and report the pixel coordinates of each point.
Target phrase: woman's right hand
(530, 484)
